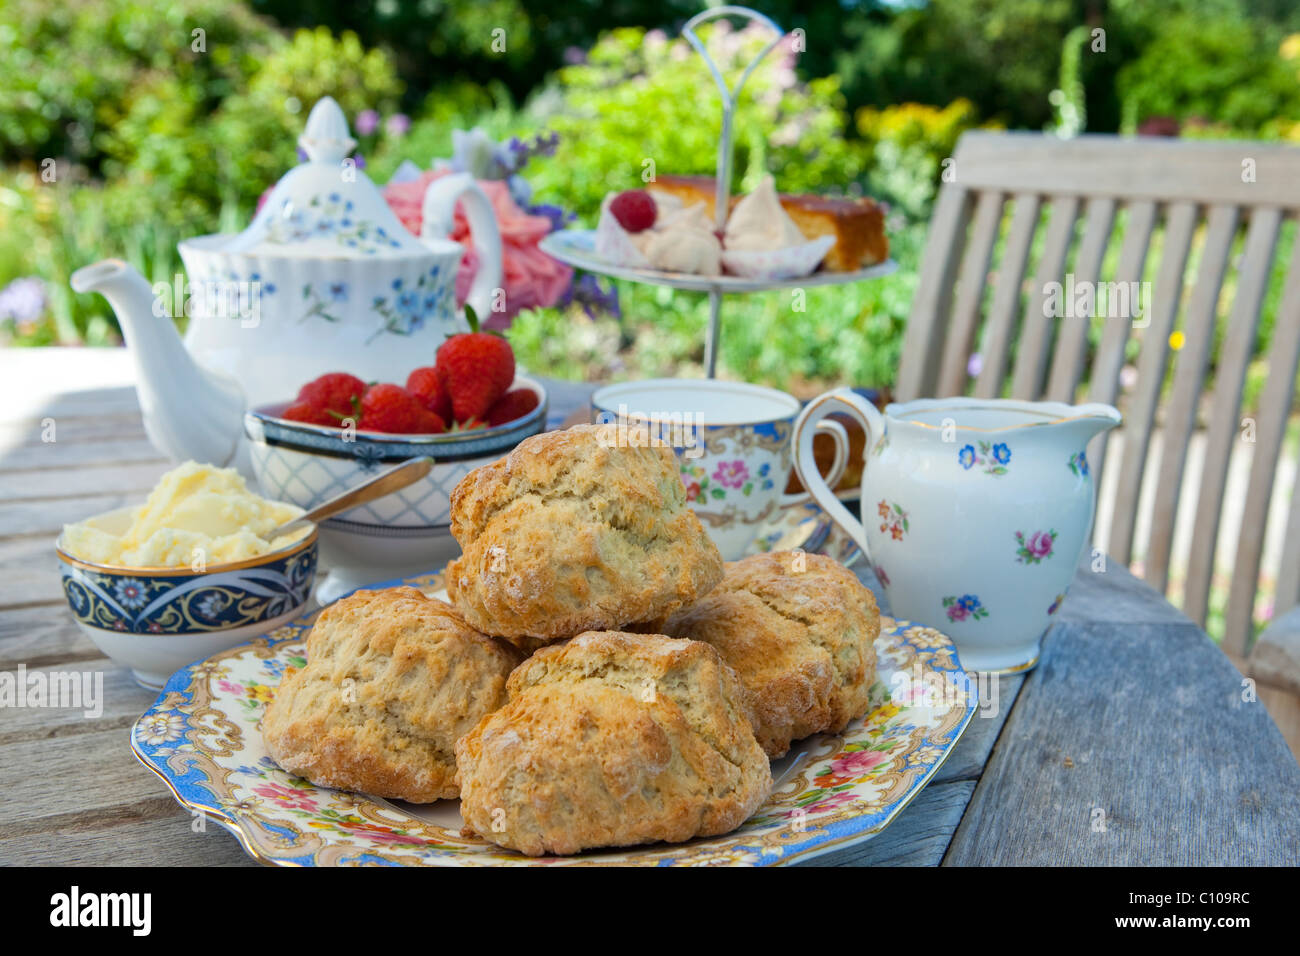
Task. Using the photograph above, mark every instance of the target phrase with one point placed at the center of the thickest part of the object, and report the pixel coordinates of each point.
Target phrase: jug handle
(805, 428)
(438, 220)
(838, 463)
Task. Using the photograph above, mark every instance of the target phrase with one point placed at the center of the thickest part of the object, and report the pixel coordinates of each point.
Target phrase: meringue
(759, 224)
(684, 242)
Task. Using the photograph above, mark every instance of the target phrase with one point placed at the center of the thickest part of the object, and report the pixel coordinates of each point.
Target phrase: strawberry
(336, 392)
(425, 385)
(475, 368)
(392, 409)
(310, 414)
(512, 405)
(634, 210)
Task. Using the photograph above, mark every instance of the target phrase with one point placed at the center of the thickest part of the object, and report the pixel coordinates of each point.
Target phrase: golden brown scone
(613, 739)
(802, 641)
(393, 680)
(574, 530)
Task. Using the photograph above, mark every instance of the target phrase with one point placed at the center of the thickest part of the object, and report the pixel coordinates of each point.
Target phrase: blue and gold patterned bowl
(157, 620)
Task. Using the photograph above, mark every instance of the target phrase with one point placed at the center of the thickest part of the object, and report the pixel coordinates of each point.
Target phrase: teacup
(733, 448)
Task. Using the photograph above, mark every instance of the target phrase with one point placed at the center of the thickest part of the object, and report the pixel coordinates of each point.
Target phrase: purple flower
(559, 218)
(975, 364)
(586, 292)
(23, 300)
(367, 122)
(397, 124)
(575, 55)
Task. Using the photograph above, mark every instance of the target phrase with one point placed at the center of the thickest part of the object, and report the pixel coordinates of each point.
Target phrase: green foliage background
(156, 135)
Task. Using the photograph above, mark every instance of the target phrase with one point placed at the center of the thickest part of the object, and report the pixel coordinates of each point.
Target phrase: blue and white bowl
(156, 620)
(405, 533)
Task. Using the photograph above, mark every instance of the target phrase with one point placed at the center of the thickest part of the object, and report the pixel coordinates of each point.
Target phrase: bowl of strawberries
(465, 410)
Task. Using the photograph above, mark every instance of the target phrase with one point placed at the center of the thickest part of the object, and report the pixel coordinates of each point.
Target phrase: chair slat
(1137, 168)
(1288, 574)
(1139, 420)
(1225, 429)
(1035, 334)
(1270, 431)
(1072, 334)
(1005, 310)
(1109, 360)
(970, 294)
(1189, 375)
(932, 304)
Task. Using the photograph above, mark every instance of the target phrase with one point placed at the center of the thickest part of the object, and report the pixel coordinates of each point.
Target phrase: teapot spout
(189, 412)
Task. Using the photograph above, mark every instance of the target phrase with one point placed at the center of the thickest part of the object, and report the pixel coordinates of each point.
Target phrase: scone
(799, 630)
(613, 739)
(393, 680)
(577, 530)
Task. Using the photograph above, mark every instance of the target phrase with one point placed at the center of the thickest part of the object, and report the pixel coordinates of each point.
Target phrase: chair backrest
(1193, 199)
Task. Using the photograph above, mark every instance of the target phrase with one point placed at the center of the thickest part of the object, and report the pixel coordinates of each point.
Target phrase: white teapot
(326, 278)
(974, 512)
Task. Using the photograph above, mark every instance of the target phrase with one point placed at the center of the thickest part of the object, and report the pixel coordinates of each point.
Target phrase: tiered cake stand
(576, 247)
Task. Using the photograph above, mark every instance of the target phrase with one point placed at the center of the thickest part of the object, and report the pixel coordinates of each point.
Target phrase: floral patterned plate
(201, 737)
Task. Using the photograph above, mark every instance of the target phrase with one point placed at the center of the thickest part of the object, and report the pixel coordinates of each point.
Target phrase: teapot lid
(326, 207)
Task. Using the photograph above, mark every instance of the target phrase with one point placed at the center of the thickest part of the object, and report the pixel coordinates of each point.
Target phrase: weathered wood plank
(135, 478)
(1135, 168)
(154, 832)
(1131, 745)
(1004, 313)
(928, 322)
(1036, 332)
(76, 454)
(1256, 266)
(1189, 377)
(44, 780)
(1140, 417)
(42, 636)
(1072, 334)
(970, 295)
(118, 700)
(919, 836)
(1109, 360)
(47, 517)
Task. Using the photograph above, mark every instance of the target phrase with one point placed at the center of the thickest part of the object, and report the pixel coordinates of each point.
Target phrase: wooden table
(1135, 740)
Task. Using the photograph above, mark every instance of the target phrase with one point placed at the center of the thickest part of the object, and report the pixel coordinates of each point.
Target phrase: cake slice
(858, 225)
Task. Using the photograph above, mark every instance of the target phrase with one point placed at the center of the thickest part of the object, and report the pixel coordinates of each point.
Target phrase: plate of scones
(589, 683)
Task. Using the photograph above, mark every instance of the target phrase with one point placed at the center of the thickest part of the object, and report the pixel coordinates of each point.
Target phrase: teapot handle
(438, 219)
(805, 428)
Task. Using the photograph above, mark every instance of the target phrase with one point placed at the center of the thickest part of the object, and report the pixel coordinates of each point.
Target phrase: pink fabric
(532, 278)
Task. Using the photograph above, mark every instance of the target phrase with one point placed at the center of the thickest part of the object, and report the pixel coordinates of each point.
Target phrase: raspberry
(308, 413)
(392, 409)
(512, 405)
(634, 210)
(426, 386)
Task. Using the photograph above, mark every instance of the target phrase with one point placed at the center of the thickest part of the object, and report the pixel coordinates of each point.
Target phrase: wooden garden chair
(1199, 196)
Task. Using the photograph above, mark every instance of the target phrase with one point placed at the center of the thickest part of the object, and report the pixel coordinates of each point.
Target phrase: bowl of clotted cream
(190, 572)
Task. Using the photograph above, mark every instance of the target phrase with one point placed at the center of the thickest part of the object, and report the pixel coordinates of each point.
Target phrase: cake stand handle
(730, 96)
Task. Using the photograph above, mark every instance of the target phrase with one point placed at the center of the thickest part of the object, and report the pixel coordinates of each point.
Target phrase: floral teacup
(733, 447)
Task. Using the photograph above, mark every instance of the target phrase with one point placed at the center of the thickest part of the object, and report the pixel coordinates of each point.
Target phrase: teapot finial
(327, 137)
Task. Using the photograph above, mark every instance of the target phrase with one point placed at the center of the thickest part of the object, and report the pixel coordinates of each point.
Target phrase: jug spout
(1092, 419)
(189, 412)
